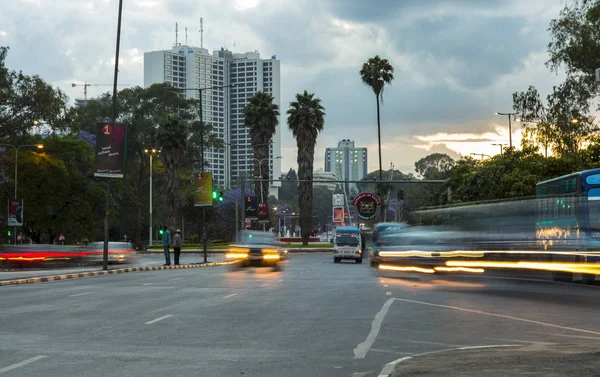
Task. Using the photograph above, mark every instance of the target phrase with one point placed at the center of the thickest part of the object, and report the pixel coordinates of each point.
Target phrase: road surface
(314, 318)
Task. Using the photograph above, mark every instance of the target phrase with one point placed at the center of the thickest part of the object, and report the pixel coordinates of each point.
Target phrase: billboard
(111, 141)
(367, 204)
(263, 212)
(251, 207)
(15, 212)
(338, 214)
(203, 186)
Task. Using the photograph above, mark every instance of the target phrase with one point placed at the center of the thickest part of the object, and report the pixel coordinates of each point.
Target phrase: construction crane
(86, 85)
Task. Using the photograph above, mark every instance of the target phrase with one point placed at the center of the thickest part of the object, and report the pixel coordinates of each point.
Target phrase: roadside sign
(338, 214)
(367, 204)
(251, 207)
(62, 237)
(337, 199)
(15, 212)
(263, 212)
(111, 141)
(203, 185)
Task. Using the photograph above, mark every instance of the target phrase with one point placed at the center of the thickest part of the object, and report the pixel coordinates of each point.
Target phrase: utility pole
(114, 119)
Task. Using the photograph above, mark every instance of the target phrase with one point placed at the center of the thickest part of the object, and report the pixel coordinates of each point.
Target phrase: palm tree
(261, 118)
(172, 138)
(306, 118)
(375, 73)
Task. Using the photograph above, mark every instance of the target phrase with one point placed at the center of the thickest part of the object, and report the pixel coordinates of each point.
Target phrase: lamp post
(501, 145)
(509, 126)
(200, 90)
(16, 148)
(262, 199)
(151, 152)
(481, 154)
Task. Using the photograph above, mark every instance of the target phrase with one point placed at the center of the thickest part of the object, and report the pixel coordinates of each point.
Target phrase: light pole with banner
(151, 152)
(16, 148)
(262, 199)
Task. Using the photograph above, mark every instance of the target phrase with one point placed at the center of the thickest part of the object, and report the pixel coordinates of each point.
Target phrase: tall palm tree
(306, 118)
(172, 138)
(375, 73)
(261, 118)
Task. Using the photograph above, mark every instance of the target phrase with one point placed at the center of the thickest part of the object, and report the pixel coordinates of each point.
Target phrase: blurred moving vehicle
(386, 228)
(348, 243)
(257, 249)
(92, 252)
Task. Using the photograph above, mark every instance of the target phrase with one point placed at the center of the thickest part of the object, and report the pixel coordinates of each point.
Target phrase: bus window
(594, 208)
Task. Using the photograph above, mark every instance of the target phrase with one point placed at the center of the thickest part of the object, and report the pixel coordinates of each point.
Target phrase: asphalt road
(314, 318)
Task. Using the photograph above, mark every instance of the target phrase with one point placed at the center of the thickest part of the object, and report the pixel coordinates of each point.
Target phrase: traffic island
(541, 359)
(44, 279)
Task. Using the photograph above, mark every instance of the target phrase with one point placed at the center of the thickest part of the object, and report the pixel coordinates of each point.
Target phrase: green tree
(261, 118)
(26, 101)
(376, 73)
(434, 166)
(289, 187)
(306, 118)
(172, 138)
(322, 205)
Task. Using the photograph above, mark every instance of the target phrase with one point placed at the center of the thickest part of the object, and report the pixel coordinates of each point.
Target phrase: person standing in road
(166, 244)
(177, 245)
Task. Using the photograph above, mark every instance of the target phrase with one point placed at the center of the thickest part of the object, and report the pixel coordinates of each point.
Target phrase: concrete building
(322, 175)
(347, 162)
(195, 67)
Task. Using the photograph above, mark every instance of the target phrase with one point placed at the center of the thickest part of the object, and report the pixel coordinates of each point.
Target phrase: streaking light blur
(460, 269)
(407, 269)
(585, 268)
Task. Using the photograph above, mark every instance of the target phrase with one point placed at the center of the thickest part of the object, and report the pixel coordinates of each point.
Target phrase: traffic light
(9, 233)
(217, 195)
(161, 231)
(401, 195)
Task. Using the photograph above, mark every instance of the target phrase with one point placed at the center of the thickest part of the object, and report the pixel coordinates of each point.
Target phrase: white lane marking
(159, 319)
(388, 293)
(265, 285)
(22, 363)
(175, 279)
(389, 367)
(385, 285)
(147, 283)
(280, 280)
(361, 350)
(231, 295)
(500, 316)
(81, 294)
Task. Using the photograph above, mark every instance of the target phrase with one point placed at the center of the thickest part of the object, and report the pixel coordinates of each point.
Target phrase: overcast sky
(456, 61)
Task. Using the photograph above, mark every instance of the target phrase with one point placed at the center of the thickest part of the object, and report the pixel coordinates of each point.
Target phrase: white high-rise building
(347, 162)
(194, 67)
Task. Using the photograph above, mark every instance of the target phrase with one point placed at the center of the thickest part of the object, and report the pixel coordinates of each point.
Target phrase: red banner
(338, 214)
(263, 211)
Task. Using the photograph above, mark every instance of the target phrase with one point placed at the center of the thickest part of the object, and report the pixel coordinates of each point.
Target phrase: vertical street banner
(251, 207)
(15, 212)
(203, 185)
(263, 212)
(338, 214)
(111, 149)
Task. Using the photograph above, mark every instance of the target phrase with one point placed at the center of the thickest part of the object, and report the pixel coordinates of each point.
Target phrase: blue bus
(568, 219)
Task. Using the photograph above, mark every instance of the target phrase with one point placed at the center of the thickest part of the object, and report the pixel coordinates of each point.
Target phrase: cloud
(456, 61)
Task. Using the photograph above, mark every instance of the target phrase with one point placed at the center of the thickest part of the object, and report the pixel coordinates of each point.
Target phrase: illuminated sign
(366, 203)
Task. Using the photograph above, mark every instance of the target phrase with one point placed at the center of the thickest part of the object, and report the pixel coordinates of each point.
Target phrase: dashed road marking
(175, 279)
(385, 285)
(147, 283)
(265, 285)
(388, 293)
(81, 294)
(159, 319)
(231, 295)
(361, 350)
(21, 364)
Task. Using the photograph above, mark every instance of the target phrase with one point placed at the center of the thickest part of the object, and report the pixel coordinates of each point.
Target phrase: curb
(44, 279)
(310, 250)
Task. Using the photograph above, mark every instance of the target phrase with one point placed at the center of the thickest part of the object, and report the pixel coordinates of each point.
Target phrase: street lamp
(262, 199)
(509, 126)
(152, 152)
(16, 148)
(481, 154)
(501, 145)
(200, 90)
